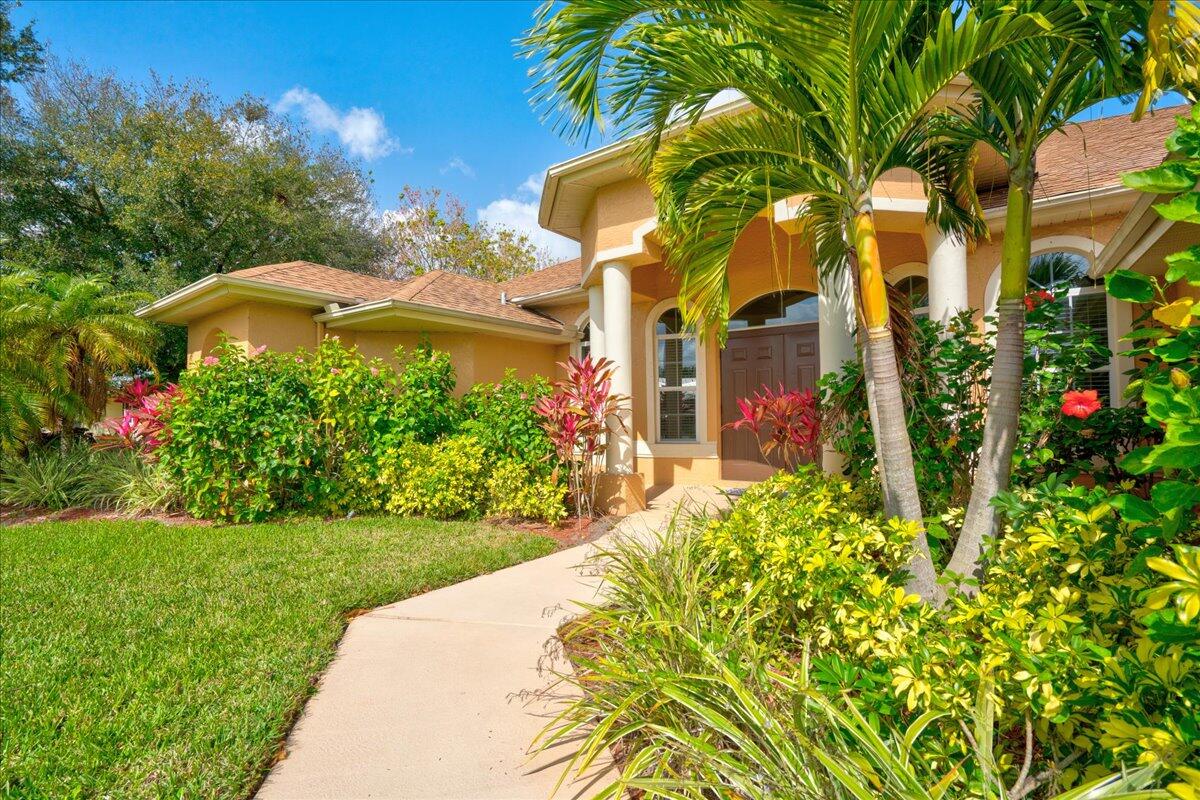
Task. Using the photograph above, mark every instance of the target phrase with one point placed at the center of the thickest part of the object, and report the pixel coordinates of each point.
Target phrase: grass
(148, 660)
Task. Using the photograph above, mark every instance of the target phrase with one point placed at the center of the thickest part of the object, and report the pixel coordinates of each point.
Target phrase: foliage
(101, 617)
(56, 478)
(707, 696)
(443, 480)
(948, 369)
(517, 491)
(21, 54)
(784, 422)
(576, 418)
(65, 338)
(148, 488)
(156, 185)
(430, 230)
(141, 426)
(354, 407)
(243, 439)
(1166, 338)
(502, 418)
(426, 409)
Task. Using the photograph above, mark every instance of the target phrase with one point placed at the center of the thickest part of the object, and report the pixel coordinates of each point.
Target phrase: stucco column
(618, 347)
(596, 320)
(947, 259)
(835, 335)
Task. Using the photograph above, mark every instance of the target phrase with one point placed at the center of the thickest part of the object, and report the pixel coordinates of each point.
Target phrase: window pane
(1088, 314)
(671, 321)
(585, 343)
(1058, 271)
(916, 289)
(676, 362)
(1098, 380)
(777, 308)
(677, 414)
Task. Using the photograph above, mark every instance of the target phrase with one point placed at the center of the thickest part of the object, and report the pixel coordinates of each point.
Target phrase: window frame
(701, 444)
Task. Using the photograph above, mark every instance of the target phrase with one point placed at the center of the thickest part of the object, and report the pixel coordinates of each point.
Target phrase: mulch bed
(570, 532)
(22, 516)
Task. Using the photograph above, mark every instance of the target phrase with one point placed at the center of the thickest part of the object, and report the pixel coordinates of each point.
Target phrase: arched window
(675, 362)
(583, 346)
(916, 289)
(1085, 305)
(777, 308)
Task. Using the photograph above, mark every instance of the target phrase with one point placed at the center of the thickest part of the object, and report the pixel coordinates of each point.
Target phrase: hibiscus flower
(1035, 299)
(1080, 404)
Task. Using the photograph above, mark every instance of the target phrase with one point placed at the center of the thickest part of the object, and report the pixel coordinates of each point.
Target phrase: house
(618, 300)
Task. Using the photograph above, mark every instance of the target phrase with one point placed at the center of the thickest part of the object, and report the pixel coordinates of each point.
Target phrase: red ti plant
(575, 418)
(786, 422)
(142, 425)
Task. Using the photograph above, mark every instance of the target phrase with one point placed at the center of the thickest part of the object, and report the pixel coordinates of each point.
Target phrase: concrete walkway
(436, 696)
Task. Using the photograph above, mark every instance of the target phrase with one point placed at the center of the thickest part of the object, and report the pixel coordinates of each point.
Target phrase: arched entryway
(772, 340)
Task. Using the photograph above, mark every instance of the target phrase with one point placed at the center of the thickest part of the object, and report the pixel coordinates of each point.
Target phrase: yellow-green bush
(1075, 626)
(441, 480)
(517, 491)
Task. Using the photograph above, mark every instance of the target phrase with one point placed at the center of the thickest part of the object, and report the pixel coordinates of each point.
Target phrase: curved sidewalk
(437, 696)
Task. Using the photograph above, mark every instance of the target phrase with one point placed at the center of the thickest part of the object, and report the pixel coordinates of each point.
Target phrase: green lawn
(146, 660)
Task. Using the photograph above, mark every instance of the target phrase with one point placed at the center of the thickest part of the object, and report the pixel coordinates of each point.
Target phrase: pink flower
(210, 361)
(374, 370)
(258, 351)
(1080, 404)
(299, 360)
(334, 371)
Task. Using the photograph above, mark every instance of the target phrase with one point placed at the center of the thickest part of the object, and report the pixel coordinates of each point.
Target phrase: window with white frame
(916, 289)
(583, 347)
(676, 378)
(1085, 305)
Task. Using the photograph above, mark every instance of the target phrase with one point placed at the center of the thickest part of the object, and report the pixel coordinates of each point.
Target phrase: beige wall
(204, 333)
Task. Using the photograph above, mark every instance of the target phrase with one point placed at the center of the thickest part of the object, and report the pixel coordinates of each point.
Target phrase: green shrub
(54, 479)
(443, 480)
(501, 417)
(148, 489)
(517, 491)
(354, 403)
(243, 442)
(426, 409)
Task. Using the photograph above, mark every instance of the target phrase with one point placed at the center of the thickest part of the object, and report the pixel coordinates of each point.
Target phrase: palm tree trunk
(894, 449)
(1000, 429)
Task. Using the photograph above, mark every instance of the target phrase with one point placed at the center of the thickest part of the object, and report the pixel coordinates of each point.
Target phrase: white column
(618, 347)
(836, 323)
(947, 259)
(596, 320)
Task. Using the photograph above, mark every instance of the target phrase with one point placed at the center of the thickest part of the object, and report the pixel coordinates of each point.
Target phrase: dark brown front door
(753, 359)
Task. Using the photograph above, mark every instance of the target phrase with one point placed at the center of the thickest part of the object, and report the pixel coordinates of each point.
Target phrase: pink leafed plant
(576, 418)
(785, 422)
(142, 426)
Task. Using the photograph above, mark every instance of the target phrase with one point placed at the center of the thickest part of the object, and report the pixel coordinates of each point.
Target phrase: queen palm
(1027, 93)
(841, 92)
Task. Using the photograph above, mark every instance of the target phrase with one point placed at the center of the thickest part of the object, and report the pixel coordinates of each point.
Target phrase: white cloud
(520, 213)
(361, 130)
(457, 164)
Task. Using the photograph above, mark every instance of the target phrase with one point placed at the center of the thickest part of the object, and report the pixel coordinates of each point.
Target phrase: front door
(754, 358)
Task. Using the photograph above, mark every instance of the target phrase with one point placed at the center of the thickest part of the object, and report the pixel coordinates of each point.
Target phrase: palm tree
(87, 333)
(841, 92)
(1027, 93)
(23, 377)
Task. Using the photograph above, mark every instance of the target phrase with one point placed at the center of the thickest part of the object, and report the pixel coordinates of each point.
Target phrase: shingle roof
(319, 278)
(472, 295)
(1093, 154)
(563, 275)
(436, 289)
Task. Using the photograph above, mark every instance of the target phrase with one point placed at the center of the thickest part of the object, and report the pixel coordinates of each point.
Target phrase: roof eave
(422, 312)
(171, 307)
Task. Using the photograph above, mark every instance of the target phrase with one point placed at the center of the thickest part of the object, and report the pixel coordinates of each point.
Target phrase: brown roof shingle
(319, 278)
(1093, 154)
(471, 295)
(563, 275)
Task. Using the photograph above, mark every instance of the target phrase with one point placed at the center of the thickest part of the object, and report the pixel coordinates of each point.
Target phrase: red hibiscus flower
(1080, 404)
(1035, 299)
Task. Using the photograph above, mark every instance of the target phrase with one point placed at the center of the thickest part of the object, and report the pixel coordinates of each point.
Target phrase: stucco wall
(204, 332)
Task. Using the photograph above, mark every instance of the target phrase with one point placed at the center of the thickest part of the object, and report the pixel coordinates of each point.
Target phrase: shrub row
(255, 434)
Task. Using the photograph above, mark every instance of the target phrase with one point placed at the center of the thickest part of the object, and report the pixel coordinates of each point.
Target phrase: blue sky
(429, 94)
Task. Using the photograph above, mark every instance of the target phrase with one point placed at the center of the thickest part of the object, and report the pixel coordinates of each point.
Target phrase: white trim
(220, 284)
(705, 450)
(554, 295)
(651, 403)
(577, 343)
(420, 312)
(909, 269)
